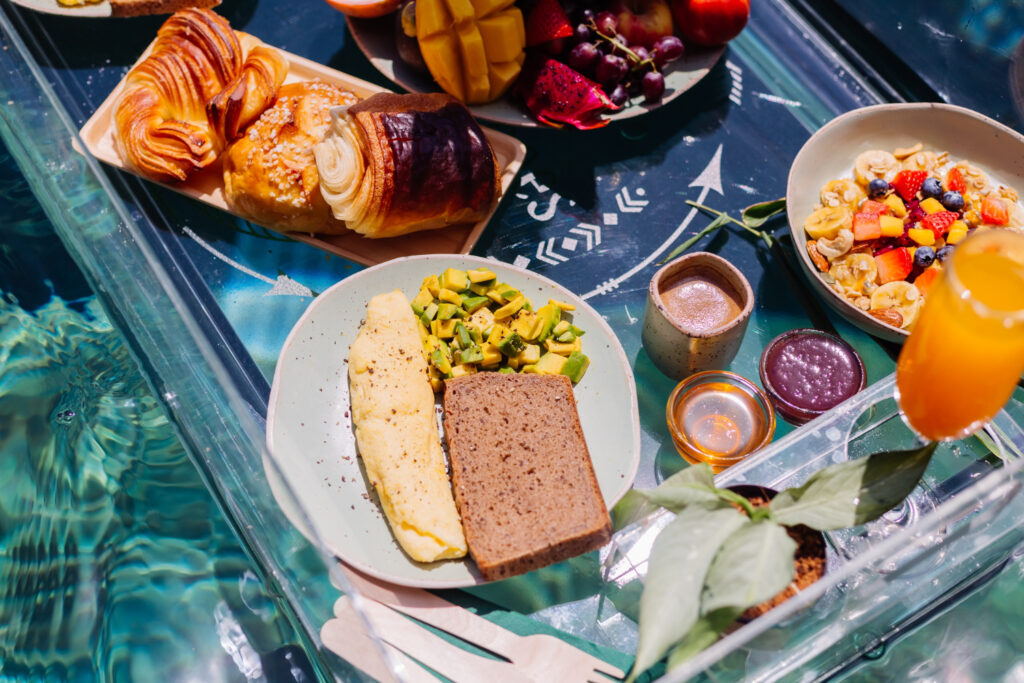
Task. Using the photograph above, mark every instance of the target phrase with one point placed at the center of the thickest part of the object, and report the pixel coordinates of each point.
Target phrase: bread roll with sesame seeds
(270, 175)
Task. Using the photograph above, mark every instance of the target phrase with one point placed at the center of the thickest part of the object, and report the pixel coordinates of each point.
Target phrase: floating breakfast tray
(207, 185)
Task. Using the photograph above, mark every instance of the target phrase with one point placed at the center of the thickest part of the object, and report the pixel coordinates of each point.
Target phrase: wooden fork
(540, 657)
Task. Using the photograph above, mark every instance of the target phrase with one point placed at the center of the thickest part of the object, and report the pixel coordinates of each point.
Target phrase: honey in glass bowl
(719, 418)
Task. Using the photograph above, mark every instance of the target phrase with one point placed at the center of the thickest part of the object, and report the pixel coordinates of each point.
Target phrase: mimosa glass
(966, 353)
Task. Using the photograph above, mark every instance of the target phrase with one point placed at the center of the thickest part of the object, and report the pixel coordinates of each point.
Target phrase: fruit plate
(376, 38)
(830, 152)
(309, 428)
(207, 186)
(98, 10)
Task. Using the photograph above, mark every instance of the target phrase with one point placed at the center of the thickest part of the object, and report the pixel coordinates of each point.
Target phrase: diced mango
(530, 355)
(523, 323)
(492, 355)
(891, 226)
(511, 308)
(956, 233)
(479, 275)
(498, 332)
(422, 299)
(896, 205)
(922, 236)
(932, 205)
(463, 369)
(550, 364)
(562, 305)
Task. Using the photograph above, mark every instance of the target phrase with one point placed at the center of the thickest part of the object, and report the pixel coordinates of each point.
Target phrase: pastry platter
(309, 428)
(207, 186)
(375, 37)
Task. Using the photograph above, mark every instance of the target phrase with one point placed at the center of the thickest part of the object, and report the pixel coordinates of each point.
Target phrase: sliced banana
(854, 272)
(974, 177)
(902, 296)
(828, 221)
(843, 192)
(920, 161)
(875, 163)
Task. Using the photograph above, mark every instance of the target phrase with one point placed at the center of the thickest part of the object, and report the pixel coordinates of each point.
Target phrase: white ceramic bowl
(830, 153)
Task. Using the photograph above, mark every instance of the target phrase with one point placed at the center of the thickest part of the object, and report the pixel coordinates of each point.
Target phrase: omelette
(396, 431)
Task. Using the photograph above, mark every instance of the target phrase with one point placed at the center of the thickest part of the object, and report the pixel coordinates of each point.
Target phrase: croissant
(395, 164)
(161, 124)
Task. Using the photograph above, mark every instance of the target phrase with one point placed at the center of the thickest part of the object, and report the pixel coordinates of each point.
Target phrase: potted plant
(723, 554)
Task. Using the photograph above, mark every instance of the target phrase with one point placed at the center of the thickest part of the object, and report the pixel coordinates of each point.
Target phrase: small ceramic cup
(700, 330)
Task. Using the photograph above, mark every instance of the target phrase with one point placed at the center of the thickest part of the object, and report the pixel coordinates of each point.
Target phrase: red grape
(583, 57)
(611, 69)
(653, 86)
(606, 23)
(666, 49)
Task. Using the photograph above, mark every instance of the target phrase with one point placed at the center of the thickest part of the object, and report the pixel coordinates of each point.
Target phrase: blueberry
(944, 253)
(931, 187)
(953, 200)
(924, 257)
(878, 188)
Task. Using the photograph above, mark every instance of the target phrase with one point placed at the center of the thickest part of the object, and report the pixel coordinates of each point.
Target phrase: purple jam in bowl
(806, 372)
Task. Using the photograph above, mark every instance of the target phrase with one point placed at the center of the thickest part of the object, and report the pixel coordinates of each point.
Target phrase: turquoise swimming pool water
(115, 563)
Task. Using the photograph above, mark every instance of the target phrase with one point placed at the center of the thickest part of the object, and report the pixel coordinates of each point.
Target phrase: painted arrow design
(629, 205)
(546, 253)
(282, 286)
(709, 179)
(591, 233)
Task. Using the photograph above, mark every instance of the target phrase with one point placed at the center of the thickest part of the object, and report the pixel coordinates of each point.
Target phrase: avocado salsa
(470, 322)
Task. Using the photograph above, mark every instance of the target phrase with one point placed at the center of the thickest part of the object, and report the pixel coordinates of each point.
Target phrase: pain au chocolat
(395, 164)
(161, 121)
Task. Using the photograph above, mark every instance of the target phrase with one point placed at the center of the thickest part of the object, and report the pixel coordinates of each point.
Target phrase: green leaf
(853, 492)
(719, 221)
(694, 485)
(679, 561)
(756, 215)
(754, 564)
(703, 635)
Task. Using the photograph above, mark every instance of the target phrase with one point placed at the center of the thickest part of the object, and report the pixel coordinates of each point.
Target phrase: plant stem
(765, 237)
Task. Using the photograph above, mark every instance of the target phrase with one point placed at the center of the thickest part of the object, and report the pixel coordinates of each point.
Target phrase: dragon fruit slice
(557, 94)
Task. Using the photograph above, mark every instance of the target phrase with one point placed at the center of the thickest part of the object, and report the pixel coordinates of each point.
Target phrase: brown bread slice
(135, 8)
(523, 480)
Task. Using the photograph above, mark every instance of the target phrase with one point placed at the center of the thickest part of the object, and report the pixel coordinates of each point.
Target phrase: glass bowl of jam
(718, 417)
(806, 372)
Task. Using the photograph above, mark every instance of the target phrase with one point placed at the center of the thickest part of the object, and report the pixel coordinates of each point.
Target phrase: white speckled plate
(309, 428)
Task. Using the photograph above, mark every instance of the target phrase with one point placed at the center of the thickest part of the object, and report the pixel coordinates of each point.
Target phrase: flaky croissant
(395, 164)
(161, 124)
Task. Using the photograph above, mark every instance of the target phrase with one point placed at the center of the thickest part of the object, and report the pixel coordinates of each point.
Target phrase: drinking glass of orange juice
(966, 353)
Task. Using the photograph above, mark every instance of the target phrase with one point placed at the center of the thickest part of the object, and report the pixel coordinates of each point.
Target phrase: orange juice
(966, 353)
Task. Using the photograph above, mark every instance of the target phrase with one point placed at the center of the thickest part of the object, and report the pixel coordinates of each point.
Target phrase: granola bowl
(936, 137)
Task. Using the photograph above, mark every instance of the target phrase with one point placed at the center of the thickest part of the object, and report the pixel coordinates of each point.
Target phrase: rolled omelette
(396, 431)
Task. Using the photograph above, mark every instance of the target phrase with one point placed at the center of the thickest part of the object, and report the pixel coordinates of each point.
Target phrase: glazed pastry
(246, 97)
(160, 118)
(269, 173)
(395, 164)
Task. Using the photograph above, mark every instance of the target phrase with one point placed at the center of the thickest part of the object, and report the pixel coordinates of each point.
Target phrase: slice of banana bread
(521, 472)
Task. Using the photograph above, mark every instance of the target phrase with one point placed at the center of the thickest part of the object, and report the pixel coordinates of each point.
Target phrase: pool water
(115, 563)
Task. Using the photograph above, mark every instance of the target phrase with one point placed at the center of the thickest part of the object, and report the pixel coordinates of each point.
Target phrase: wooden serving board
(208, 186)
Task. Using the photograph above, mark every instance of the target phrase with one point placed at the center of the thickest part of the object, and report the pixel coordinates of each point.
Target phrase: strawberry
(866, 226)
(994, 211)
(955, 181)
(894, 265)
(939, 222)
(547, 21)
(907, 183)
(926, 279)
(871, 206)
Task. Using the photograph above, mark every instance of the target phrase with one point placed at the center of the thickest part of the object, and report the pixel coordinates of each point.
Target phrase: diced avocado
(575, 366)
(561, 327)
(438, 360)
(476, 334)
(551, 364)
(436, 384)
(507, 371)
(512, 363)
(480, 275)
(429, 313)
(529, 369)
(472, 354)
(480, 289)
(512, 345)
(424, 331)
(465, 341)
(498, 332)
(473, 303)
(495, 296)
(566, 337)
(561, 304)
(463, 369)
(528, 306)
(577, 331)
(446, 310)
(523, 323)
(416, 310)
(531, 354)
(445, 329)
(454, 279)
(422, 299)
(492, 355)
(431, 284)
(450, 296)
(547, 317)
(561, 348)
(511, 308)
